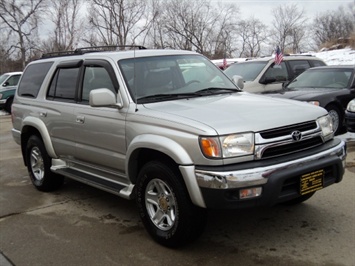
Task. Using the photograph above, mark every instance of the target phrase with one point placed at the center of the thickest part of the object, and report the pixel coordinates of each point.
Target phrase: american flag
(278, 56)
(224, 63)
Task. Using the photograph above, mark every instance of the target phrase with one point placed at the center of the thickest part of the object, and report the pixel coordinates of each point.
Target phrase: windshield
(322, 78)
(248, 70)
(3, 78)
(169, 76)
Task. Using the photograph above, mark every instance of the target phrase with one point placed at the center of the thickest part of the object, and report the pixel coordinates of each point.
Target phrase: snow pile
(344, 56)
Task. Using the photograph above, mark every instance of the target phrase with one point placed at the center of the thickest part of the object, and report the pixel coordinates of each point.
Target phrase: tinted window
(298, 66)
(316, 63)
(277, 72)
(32, 79)
(249, 70)
(95, 77)
(63, 85)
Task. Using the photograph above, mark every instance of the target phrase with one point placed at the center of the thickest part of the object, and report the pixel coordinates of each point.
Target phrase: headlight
(351, 106)
(326, 124)
(314, 103)
(228, 146)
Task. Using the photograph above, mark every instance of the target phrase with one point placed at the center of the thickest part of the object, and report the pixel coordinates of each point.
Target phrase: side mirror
(238, 80)
(103, 98)
(284, 85)
(5, 84)
(267, 80)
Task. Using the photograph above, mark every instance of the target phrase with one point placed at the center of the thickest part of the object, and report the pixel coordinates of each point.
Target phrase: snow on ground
(344, 56)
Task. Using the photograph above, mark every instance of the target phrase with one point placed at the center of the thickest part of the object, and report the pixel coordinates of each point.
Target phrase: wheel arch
(34, 126)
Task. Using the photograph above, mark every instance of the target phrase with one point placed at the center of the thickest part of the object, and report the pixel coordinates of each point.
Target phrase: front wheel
(337, 118)
(38, 166)
(165, 206)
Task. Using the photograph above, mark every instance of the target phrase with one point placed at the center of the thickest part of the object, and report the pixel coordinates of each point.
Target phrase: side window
(13, 80)
(32, 79)
(298, 66)
(316, 63)
(63, 85)
(277, 72)
(95, 77)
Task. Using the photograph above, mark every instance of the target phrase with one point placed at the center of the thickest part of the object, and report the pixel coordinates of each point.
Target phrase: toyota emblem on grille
(296, 135)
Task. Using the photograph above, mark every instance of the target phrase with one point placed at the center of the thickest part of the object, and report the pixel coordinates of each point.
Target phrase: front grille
(293, 147)
(283, 131)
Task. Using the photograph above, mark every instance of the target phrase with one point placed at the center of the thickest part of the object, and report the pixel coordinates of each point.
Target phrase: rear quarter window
(32, 79)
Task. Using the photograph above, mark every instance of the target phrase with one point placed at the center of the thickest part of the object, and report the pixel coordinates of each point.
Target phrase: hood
(302, 94)
(237, 112)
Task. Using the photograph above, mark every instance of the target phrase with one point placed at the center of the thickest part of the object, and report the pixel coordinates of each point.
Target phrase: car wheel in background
(8, 105)
(337, 118)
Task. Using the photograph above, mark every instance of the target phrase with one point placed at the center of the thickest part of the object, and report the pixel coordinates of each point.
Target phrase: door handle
(80, 119)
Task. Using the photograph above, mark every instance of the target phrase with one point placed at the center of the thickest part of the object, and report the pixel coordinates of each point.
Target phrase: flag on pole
(224, 63)
(278, 56)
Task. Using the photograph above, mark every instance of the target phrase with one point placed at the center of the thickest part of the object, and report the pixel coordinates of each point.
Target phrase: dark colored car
(350, 116)
(331, 87)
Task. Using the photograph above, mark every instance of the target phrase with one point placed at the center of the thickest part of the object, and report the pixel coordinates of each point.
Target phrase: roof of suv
(117, 55)
(285, 58)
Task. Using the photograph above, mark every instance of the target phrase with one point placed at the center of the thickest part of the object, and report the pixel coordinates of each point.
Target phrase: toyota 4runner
(168, 129)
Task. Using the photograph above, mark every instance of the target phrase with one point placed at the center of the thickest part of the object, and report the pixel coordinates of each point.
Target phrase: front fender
(162, 144)
(42, 129)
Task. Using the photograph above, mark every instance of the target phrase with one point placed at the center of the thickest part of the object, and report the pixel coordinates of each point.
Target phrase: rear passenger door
(99, 132)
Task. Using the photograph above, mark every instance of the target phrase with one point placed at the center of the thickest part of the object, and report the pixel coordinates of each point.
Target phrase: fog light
(248, 193)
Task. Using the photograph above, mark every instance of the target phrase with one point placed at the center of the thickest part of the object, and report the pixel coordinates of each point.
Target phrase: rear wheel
(165, 206)
(38, 165)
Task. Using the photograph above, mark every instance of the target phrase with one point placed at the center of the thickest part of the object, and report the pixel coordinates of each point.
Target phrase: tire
(165, 206)
(337, 118)
(299, 199)
(8, 105)
(38, 166)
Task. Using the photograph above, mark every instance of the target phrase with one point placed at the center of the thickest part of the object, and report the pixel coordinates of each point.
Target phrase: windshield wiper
(213, 90)
(166, 96)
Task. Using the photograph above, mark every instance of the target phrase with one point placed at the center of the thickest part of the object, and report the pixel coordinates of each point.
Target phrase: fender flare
(42, 129)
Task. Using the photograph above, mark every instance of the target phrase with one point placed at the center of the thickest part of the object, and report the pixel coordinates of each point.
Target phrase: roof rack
(92, 49)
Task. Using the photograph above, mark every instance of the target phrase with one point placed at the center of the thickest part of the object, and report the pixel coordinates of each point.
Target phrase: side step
(122, 190)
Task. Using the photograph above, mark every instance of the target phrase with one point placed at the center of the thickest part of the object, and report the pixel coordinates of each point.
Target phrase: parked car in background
(8, 84)
(262, 74)
(350, 116)
(331, 87)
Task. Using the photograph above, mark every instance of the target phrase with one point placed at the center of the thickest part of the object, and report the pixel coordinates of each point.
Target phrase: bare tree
(117, 22)
(196, 25)
(252, 33)
(330, 26)
(67, 31)
(288, 22)
(21, 18)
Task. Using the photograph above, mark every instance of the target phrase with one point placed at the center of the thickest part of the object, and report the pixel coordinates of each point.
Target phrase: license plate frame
(311, 182)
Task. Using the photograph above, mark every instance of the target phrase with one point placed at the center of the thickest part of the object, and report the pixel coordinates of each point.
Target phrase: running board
(102, 183)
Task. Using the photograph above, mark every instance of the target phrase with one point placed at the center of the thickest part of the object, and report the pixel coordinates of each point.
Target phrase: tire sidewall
(152, 171)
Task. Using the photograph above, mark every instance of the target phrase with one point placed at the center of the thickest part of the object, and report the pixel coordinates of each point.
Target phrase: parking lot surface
(80, 225)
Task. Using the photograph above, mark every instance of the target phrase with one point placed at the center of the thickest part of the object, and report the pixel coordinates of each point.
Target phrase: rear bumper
(278, 178)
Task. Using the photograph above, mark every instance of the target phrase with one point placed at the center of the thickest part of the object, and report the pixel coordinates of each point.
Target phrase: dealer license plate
(311, 182)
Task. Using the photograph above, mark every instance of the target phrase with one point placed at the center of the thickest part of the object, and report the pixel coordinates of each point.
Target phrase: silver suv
(168, 129)
(263, 75)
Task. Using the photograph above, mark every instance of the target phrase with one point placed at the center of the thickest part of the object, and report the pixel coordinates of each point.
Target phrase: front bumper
(350, 121)
(279, 178)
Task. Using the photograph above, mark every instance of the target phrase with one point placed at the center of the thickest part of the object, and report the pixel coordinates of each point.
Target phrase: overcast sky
(262, 9)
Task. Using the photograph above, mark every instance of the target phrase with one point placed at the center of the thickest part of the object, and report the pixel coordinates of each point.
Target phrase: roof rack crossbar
(92, 49)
